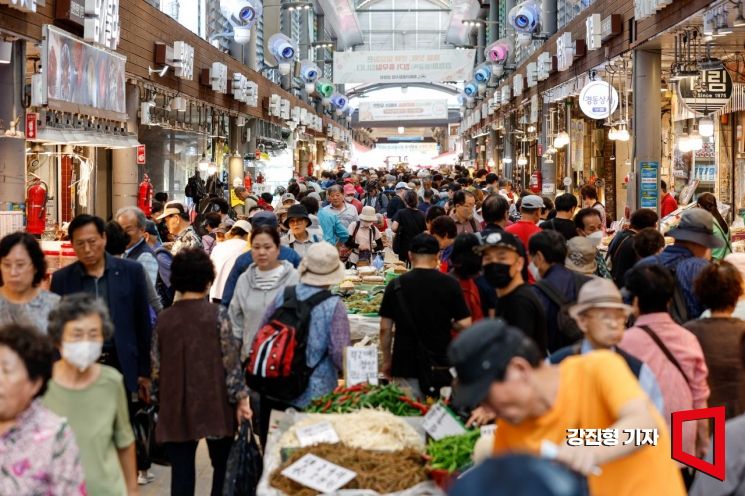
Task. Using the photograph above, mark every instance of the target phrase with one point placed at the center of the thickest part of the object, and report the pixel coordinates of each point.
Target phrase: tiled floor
(161, 486)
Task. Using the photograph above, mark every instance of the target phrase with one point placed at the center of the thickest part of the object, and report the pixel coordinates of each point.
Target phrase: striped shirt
(268, 279)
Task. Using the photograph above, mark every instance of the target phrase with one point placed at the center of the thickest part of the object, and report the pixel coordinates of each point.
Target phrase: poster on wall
(403, 110)
(82, 78)
(403, 66)
(648, 187)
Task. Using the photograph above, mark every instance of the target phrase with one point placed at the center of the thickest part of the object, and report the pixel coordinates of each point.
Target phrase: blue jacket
(244, 261)
(686, 268)
(333, 229)
(128, 307)
(564, 281)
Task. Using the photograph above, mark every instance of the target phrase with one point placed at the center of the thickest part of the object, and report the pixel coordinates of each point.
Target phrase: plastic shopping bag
(245, 464)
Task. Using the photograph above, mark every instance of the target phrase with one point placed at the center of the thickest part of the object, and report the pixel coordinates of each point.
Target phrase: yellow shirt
(593, 388)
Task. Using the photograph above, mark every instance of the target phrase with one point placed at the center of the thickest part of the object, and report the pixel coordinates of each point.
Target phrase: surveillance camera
(282, 47)
(324, 88)
(499, 51)
(284, 68)
(525, 16)
(339, 101)
(241, 34)
(471, 89)
(243, 13)
(482, 73)
(309, 71)
(498, 70)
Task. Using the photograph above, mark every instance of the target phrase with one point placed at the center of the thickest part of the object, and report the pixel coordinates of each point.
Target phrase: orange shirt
(593, 389)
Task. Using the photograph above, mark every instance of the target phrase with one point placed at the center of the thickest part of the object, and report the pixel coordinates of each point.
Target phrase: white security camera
(309, 72)
(282, 47)
(525, 16)
(482, 72)
(498, 51)
(471, 89)
(339, 101)
(241, 34)
(243, 13)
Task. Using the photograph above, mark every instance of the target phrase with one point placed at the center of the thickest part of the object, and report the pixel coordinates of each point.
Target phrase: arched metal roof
(367, 88)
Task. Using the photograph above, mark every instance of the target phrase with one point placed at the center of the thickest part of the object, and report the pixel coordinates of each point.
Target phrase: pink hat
(349, 189)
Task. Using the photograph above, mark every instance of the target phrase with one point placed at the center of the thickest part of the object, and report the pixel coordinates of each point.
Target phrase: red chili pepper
(343, 398)
(326, 406)
(357, 387)
(338, 389)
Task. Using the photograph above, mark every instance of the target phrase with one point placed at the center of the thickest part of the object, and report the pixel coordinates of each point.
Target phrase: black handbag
(143, 426)
(245, 464)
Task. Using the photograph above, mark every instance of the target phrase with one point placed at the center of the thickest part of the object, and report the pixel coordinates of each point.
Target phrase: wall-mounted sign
(593, 26)
(545, 66)
(611, 26)
(403, 110)
(506, 94)
(403, 66)
(183, 60)
(707, 95)
(517, 85)
(531, 74)
(141, 155)
(240, 87)
(102, 22)
(22, 5)
(69, 12)
(217, 77)
(648, 187)
(648, 8)
(564, 52)
(31, 119)
(598, 100)
(82, 78)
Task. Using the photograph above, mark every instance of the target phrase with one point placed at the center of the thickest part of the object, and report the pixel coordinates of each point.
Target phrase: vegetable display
(452, 452)
(384, 472)
(363, 303)
(390, 398)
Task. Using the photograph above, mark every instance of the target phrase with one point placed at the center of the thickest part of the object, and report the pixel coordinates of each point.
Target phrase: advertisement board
(403, 110)
(403, 66)
(82, 78)
(648, 187)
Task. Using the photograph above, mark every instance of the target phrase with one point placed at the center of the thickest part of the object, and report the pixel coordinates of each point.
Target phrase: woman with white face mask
(91, 395)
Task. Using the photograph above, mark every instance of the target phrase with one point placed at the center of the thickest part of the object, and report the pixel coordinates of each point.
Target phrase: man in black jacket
(121, 284)
(621, 249)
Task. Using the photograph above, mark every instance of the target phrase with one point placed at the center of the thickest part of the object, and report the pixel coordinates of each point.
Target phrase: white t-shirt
(223, 257)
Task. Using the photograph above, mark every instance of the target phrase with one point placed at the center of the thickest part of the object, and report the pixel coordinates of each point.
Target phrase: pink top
(678, 393)
(38, 455)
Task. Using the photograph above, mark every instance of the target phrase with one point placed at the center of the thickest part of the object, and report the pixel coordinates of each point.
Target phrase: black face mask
(498, 274)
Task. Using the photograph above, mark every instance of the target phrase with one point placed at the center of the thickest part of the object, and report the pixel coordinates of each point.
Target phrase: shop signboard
(82, 78)
(31, 120)
(707, 93)
(517, 85)
(22, 5)
(598, 99)
(403, 66)
(531, 74)
(403, 110)
(564, 52)
(102, 23)
(141, 155)
(545, 66)
(648, 187)
(593, 27)
(69, 11)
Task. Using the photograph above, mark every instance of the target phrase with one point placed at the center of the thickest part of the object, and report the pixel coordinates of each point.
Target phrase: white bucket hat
(321, 265)
(368, 214)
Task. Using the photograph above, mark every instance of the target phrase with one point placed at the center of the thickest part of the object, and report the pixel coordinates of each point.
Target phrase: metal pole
(647, 125)
(493, 21)
(481, 43)
(548, 18)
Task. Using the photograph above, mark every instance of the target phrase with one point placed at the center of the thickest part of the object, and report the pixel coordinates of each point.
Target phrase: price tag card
(322, 432)
(488, 430)
(441, 422)
(360, 365)
(316, 473)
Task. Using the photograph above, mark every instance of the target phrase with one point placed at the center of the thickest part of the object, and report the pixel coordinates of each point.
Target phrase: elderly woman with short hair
(91, 395)
(38, 452)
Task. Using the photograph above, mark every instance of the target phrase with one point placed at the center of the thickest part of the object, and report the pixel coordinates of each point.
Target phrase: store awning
(57, 136)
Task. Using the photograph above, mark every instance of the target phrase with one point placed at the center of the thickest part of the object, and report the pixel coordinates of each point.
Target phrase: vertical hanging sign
(648, 187)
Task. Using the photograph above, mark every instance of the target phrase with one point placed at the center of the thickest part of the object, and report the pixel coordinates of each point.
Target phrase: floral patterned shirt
(188, 238)
(39, 456)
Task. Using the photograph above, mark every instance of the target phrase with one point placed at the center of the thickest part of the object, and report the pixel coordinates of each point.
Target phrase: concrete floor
(161, 486)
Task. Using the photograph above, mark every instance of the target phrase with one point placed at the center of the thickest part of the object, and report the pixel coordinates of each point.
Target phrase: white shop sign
(440, 422)
(102, 22)
(544, 66)
(598, 100)
(531, 74)
(517, 85)
(648, 8)
(360, 365)
(506, 95)
(319, 474)
(564, 52)
(219, 77)
(22, 5)
(240, 87)
(183, 60)
(593, 25)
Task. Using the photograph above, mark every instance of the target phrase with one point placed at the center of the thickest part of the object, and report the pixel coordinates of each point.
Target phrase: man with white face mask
(590, 225)
(91, 395)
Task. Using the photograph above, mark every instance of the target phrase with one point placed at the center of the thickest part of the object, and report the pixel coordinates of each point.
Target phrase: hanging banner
(82, 78)
(598, 99)
(707, 93)
(403, 110)
(403, 66)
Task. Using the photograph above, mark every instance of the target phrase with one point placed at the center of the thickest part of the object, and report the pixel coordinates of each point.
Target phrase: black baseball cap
(500, 239)
(424, 244)
(480, 356)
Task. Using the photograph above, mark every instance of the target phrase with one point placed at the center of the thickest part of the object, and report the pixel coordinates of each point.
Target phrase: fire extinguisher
(310, 168)
(36, 207)
(536, 181)
(145, 195)
(247, 182)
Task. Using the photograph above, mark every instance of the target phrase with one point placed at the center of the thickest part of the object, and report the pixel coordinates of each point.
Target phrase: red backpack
(277, 365)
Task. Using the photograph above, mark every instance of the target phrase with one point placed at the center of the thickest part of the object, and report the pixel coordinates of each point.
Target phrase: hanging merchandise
(145, 195)
(36, 207)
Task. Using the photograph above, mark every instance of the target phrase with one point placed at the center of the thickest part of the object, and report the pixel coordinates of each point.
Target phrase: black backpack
(276, 366)
(566, 325)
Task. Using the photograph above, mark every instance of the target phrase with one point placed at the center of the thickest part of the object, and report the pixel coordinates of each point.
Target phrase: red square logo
(718, 468)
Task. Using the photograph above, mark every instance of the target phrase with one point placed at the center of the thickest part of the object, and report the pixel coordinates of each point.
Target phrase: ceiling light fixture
(706, 126)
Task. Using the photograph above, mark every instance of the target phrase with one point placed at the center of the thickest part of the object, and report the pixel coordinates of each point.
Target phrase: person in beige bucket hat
(601, 315)
(321, 266)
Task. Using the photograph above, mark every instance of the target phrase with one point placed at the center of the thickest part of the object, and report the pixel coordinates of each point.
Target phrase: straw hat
(321, 265)
(598, 293)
